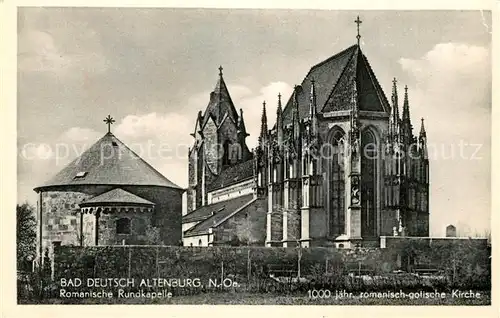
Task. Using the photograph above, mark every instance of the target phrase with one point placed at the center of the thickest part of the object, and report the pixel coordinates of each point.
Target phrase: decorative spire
(109, 121)
(295, 98)
(295, 112)
(406, 106)
(279, 122)
(394, 93)
(312, 108)
(263, 124)
(394, 119)
(358, 22)
(312, 98)
(241, 125)
(423, 141)
(423, 133)
(220, 70)
(279, 109)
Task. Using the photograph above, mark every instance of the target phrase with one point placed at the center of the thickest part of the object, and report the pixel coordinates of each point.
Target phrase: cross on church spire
(109, 121)
(220, 70)
(358, 22)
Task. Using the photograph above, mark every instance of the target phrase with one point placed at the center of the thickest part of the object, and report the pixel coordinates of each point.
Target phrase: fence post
(129, 260)
(157, 263)
(221, 273)
(249, 267)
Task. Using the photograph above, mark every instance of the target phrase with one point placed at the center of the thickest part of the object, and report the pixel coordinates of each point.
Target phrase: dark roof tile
(332, 83)
(221, 212)
(233, 174)
(117, 196)
(108, 162)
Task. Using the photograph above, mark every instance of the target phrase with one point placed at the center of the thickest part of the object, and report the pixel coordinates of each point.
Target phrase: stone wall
(61, 219)
(140, 222)
(201, 262)
(167, 211)
(248, 226)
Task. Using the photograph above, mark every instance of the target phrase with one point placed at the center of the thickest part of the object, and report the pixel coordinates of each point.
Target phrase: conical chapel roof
(333, 84)
(108, 162)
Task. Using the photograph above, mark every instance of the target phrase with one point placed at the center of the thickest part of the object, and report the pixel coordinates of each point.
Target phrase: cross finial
(358, 22)
(279, 96)
(109, 121)
(394, 81)
(220, 70)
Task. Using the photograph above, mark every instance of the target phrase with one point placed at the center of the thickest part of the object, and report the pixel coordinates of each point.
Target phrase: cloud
(82, 135)
(163, 140)
(252, 107)
(450, 86)
(456, 71)
(43, 46)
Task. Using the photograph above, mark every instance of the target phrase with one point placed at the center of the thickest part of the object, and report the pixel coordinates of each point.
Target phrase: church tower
(219, 143)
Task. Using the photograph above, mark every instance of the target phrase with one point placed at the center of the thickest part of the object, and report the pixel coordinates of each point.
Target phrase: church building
(340, 167)
(108, 196)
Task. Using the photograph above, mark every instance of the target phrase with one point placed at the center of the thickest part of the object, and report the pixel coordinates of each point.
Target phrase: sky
(153, 69)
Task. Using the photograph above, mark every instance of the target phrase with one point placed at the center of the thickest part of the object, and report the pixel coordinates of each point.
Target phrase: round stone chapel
(108, 196)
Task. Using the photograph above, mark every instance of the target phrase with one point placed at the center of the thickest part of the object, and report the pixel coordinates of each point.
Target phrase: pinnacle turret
(263, 124)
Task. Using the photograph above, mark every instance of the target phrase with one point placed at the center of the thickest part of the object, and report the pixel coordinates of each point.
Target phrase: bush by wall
(461, 265)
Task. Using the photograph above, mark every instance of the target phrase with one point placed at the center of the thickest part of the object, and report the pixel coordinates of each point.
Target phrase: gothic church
(340, 167)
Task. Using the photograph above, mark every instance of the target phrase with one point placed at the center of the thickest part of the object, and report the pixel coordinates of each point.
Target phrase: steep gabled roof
(221, 211)
(333, 85)
(206, 211)
(220, 104)
(233, 174)
(108, 162)
(117, 196)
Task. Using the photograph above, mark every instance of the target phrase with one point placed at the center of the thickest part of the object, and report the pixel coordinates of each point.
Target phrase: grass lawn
(243, 298)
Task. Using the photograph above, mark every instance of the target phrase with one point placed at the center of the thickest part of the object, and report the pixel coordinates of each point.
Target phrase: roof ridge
(97, 173)
(378, 88)
(147, 164)
(330, 58)
(335, 86)
(235, 212)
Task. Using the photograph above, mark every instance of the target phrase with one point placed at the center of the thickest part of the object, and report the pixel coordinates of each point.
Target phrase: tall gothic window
(337, 185)
(369, 157)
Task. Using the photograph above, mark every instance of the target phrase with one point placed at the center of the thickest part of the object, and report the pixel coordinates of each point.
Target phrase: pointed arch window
(337, 185)
(369, 176)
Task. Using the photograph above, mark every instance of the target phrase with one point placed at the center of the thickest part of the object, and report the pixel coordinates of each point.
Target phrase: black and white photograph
(230, 156)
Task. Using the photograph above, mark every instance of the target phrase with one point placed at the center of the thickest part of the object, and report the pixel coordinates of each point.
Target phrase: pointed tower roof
(406, 106)
(423, 133)
(220, 103)
(395, 105)
(263, 121)
(108, 162)
(241, 124)
(279, 110)
(333, 78)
